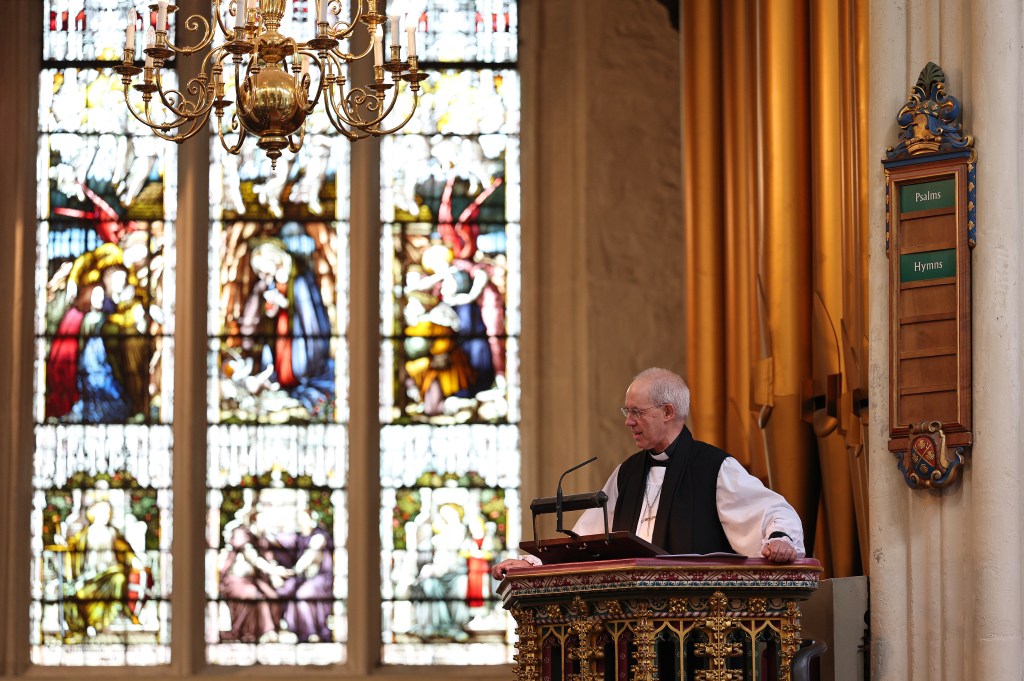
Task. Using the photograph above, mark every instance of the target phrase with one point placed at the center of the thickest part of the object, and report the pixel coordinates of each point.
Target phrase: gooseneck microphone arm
(558, 498)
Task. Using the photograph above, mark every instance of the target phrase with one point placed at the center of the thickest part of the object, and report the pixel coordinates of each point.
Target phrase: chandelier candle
(129, 40)
(410, 29)
(161, 15)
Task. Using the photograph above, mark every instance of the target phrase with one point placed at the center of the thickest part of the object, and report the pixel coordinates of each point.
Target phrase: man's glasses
(637, 413)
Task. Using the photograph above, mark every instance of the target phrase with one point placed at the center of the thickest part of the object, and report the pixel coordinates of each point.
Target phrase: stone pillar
(946, 566)
(992, 89)
(18, 118)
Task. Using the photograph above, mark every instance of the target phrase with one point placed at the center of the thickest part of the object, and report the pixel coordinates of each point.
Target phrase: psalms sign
(926, 195)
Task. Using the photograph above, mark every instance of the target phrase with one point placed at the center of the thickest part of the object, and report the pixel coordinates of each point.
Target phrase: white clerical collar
(659, 459)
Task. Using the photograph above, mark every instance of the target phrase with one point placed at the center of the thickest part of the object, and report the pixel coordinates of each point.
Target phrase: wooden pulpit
(705, 618)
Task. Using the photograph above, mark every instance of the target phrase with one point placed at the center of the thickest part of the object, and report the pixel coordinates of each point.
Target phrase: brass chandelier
(273, 89)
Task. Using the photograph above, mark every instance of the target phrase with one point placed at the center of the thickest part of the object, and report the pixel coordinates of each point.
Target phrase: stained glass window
(449, 360)
(277, 568)
(104, 322)
(276, 562)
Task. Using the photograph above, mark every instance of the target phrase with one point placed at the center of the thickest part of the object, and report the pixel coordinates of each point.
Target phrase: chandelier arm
(294, 45)
(184, 109)
(349, 115)
(220, 19)
(394, 100)
(330, 106)
(359, 96)
(351, 56)
(343, 33)
(196, 126)
(311, 103)
(194, 23)
(408, 117)
(243, 133)
(213, 63)
(145, 116)
(239, 101)
(188, 109)
(192, 109)
(162, 130)
(147, 121)
(179, 118)
(294, 146)
(332, 118)
(322, 67)
(342, 30)
(338, 115)
(214, 57)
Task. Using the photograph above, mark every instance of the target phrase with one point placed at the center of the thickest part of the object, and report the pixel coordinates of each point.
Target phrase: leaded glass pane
(468, 103)
(101, 527)
(277, 567)
(105, 295)
(450, 320)
(311, 184)
(94, 30)
(276, 578)
(450, 509)
(274, 359)
(104, 322)
(446, 279)
(467, 30)
(448, 349)
(91, 101)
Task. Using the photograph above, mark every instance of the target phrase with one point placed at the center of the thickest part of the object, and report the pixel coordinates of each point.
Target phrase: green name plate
(925, 195)
(928, 265)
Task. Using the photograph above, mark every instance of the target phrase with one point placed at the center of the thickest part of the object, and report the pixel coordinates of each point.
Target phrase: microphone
(558, 498)
(573, 502)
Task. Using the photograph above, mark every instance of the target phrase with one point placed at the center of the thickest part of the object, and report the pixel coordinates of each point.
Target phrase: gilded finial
(930, 120)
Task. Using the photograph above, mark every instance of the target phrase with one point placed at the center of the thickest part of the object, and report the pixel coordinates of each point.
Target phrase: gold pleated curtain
(774, 163)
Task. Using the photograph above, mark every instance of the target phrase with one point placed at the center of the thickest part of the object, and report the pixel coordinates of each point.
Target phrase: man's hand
(501, 569)
(779, 551)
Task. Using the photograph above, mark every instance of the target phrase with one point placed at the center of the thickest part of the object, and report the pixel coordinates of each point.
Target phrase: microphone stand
(621, 544)
(558, 499)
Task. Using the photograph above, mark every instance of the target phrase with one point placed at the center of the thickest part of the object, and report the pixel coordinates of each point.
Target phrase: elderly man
(684, 495)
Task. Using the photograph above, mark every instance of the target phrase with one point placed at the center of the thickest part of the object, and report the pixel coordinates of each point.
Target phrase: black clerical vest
(687, 520)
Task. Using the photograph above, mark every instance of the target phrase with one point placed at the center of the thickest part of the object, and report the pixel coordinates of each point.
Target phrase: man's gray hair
(667, 387)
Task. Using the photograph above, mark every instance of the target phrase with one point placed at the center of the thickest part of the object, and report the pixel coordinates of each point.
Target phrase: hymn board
(930, 229)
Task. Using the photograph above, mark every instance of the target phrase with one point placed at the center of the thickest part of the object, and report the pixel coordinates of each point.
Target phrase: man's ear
(670, 411)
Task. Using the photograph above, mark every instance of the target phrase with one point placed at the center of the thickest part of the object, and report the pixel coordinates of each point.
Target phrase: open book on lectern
(577, 548)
